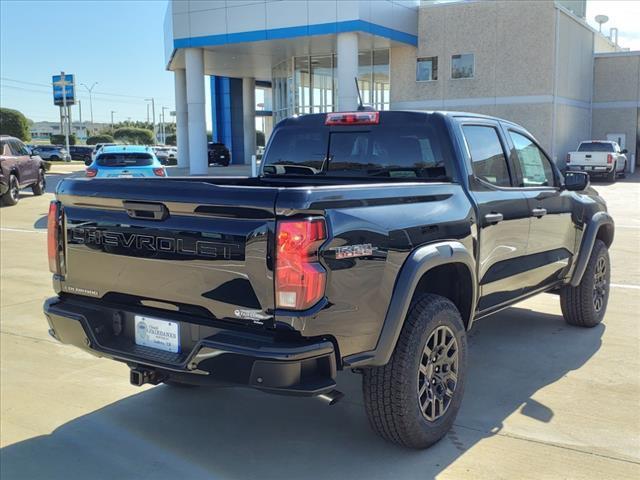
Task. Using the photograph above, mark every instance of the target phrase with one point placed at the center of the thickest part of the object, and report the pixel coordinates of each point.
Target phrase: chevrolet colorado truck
(370, 242)
(598, 157)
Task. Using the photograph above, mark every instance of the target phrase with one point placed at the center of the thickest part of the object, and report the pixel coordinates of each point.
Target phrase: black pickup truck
(370, 242)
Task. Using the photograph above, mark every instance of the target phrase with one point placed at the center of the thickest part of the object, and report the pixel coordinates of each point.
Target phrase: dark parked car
(51, 152)
(218, 154)
(19, 168)
(398, 231)
(80, 152)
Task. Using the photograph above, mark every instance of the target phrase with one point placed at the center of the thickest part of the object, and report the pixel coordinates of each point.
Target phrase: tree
(260, 138)
(60, 140)
(15, 124)
(100, 139)
(170, 140)
(135, 136)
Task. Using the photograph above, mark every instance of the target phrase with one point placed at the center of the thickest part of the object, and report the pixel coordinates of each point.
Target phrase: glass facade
(308, 84)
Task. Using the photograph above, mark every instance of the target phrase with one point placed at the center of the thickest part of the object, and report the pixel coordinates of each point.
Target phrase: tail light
(53, 237)
(568, 158)
(91, 172)
(159, 172)
(353, 118)
(300, 279)
(609, 158)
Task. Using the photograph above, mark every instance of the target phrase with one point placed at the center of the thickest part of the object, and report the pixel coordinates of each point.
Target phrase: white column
(347, 71)
(249, 117)
(182, 128)
(194, 63)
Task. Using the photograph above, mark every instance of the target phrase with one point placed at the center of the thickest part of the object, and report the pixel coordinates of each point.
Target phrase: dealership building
(537, 63)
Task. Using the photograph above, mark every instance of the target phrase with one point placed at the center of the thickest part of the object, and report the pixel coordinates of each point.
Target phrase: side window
(18, 148)
(535, 166)
(487, 156)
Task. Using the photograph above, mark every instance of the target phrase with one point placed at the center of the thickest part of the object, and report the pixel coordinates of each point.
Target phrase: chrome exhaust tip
(331, 398)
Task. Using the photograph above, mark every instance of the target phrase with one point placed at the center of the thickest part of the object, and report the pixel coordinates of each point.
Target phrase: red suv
(19, 168)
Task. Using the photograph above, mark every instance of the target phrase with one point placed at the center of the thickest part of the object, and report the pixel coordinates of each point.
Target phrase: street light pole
(90, 98)
(112, 112)
(153, 112)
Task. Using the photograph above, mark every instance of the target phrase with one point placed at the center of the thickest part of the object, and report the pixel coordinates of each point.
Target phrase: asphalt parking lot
(543, 399)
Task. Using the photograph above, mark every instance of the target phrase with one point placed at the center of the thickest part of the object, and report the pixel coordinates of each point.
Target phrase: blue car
(126, 161)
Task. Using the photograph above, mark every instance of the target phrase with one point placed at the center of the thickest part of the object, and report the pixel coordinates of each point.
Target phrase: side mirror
(576, 181)
(624, 150)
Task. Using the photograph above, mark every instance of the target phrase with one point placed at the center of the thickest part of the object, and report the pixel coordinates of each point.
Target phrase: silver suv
(51, 152)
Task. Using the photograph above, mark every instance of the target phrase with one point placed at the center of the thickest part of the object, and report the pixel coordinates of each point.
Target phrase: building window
(308, 84)
(462, 66)
(373, 78)
(427, 69)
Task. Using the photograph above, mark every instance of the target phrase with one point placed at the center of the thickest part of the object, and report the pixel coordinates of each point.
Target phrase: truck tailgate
(192, 244)
(589, 158)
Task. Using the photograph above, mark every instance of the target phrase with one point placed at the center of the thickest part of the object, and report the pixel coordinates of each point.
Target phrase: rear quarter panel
(394, 219)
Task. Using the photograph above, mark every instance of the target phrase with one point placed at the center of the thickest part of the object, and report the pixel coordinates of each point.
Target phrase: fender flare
(419, 262)
(589, 236)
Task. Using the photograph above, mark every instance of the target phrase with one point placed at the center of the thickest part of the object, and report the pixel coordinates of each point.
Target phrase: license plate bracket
(157, 333)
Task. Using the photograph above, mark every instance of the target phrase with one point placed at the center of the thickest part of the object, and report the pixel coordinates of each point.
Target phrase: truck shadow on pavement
(169, 432)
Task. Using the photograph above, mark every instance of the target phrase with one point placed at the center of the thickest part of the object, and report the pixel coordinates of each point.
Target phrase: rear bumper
(590, 168)
(209, 354)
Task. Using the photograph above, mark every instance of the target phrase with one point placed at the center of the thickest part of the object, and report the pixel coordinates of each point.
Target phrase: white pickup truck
(598, 157)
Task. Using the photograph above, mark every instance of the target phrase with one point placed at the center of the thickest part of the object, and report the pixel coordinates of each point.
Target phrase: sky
(623, 14)
(119, 44)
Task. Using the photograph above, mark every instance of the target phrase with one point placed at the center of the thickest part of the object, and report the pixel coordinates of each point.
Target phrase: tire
(12, 195)
(395, 410)
(54, 158)
(623, 173)
(40, 186)
(586, 304)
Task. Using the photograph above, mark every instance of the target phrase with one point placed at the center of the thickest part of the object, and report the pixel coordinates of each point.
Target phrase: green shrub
(60, 140)
(170, 140)
(260, 139)
(135, 136)
(93, 140)
(14, 123)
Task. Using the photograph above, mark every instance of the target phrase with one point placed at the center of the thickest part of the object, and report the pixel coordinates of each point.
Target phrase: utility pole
(147, 113)
(80, 114)
(153, 112)
(90, 98)
(112, 112)
(164, 126)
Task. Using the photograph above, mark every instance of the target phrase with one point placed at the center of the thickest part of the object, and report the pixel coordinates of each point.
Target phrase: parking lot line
(624, 285)
(22, 230)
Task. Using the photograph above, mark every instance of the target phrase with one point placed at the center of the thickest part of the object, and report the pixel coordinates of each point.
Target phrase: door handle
(539, 212)
(493, 217)
(146, 211)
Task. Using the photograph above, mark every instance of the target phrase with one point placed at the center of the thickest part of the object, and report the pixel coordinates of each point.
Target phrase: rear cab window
(124, 159)
(402, 145)
(596, 147)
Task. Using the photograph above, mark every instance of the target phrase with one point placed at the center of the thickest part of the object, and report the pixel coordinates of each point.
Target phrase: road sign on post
(64, 89)
(64, 96)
